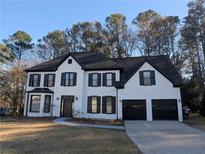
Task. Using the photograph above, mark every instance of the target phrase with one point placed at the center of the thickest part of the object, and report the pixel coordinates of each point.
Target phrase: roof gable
(161, 63)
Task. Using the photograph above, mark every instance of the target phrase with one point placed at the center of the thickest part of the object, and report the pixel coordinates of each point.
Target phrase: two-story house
(90, 85)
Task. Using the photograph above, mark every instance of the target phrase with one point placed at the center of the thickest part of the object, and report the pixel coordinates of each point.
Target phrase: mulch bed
(98, 122)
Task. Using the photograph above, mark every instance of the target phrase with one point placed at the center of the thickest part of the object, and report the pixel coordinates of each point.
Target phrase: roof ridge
(140, 57)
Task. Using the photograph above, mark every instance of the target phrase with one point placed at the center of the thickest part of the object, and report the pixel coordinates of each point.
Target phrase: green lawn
(197, 121)
(42, 136)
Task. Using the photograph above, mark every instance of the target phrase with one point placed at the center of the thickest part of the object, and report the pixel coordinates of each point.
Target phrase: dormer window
(147, 78)
(69, 61)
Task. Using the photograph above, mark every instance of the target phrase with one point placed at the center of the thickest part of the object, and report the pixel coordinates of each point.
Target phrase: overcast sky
(40, 17)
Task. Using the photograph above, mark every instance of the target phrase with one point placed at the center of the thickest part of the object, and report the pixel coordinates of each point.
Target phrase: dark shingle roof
(160, 63)
(41, 90)
(128, 66)
(87, 60)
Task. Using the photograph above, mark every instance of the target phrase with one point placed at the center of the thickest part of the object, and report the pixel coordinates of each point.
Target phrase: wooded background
(148, 34)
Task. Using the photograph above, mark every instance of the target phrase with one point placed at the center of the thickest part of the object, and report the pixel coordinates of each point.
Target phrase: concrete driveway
(166, 137)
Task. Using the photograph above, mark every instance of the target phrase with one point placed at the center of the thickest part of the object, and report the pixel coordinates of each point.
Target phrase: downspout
(117, 102)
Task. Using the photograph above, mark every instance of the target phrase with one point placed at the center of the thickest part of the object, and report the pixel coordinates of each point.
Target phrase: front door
(66, 106)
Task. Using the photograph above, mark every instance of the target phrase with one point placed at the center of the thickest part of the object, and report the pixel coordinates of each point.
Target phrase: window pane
(109, 105)
(66, 79)
(94, 104)
(109, 79)
(147, 79)
(95, 79)
(35, 103)
(71, 79)
(50, 80)
(35, 80)
(47, 103)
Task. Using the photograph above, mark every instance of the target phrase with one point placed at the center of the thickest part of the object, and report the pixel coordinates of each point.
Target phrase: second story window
(68, 79)
(147, 78)
(49, 80)
(94, 79)
(108, 79)
(34, 80)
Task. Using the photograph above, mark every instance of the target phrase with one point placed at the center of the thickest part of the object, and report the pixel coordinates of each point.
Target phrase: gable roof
(161, 63)
(87, 60)
(127, 66)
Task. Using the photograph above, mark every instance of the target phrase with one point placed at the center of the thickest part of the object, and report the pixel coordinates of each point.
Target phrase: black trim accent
(49, 106)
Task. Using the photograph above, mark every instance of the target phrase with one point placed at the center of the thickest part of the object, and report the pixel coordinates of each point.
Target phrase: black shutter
(74, 78)
(98, 104)
(113, 79)
(45, 80)
(62, 79)
(89, 107)
(152, 75)
(99, 79)
(104, 79)
(54, 78)
(31, 80)
(113, 104)
(90, 77)
(104, 104)
(141, 78)
(39, 79)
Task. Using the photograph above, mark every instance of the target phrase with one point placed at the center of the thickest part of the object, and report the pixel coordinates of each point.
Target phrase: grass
(41, 136)
(197, 121)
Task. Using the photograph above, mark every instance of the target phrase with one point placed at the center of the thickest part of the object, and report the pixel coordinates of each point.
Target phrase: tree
(19, 43)
(120, 39)
(52, 45)
(192, 38)
(87, 36)
(5, 54)
(191, 94)
(143, 22)
(12, 87)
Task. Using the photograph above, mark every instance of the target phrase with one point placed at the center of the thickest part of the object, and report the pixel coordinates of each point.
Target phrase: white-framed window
(35, 103)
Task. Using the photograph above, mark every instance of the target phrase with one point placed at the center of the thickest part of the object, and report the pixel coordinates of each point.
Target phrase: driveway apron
(166, 137)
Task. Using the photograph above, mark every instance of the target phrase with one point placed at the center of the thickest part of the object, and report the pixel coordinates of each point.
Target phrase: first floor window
(108, 104)
(35, 103)
(93, 104)
(47, 103)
